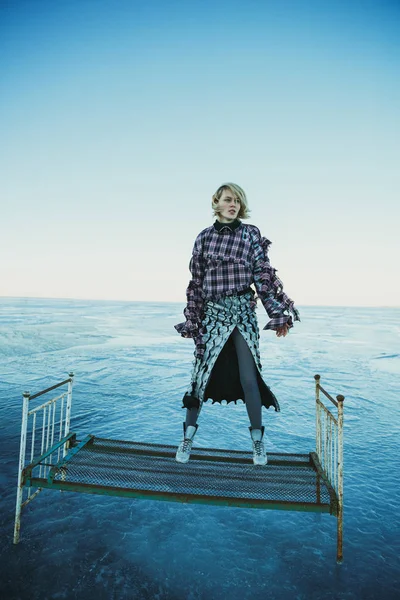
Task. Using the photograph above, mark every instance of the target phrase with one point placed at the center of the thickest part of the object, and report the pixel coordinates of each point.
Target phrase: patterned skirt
(215, 373)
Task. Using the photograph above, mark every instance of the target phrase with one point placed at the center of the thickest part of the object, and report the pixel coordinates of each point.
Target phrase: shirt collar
(230, 226)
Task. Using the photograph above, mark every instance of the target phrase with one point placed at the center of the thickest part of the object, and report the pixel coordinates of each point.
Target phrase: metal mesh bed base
(212, 476)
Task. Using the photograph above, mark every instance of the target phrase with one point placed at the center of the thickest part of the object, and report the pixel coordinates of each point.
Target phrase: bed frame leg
(17, 525)
(339, 549)
(339, 556)
(22, 450)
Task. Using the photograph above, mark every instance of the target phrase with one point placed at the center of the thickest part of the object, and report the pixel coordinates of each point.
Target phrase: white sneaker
(185, 447)
(259, 454)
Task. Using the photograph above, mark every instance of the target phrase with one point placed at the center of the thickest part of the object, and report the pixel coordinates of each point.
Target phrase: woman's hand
(282, 331)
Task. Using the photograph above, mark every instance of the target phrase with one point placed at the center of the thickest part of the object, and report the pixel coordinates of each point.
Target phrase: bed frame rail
(45, 435)
(329, 449)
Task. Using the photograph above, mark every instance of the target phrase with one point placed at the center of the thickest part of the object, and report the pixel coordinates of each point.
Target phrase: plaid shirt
(227, 259)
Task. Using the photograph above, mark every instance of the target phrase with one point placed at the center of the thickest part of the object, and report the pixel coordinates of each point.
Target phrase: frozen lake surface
(131, 370)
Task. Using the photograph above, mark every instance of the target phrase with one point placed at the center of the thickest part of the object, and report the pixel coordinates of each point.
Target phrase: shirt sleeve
(193, 311)
(279, 307)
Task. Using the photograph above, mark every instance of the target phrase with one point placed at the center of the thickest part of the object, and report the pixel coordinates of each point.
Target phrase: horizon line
(183, 302)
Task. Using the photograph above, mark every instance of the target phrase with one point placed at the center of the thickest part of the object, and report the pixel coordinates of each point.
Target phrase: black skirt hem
(189, 401)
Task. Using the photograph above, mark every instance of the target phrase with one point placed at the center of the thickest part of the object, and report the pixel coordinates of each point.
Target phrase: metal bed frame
(52, 457)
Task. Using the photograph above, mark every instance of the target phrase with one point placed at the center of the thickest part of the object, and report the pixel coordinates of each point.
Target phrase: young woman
(220, 316)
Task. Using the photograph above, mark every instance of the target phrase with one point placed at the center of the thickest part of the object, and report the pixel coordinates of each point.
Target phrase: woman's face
(228, 207)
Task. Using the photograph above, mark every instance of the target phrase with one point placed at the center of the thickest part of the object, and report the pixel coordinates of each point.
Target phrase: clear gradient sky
(119, 120)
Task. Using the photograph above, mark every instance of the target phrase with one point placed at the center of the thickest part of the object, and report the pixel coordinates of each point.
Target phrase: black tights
(248, 379)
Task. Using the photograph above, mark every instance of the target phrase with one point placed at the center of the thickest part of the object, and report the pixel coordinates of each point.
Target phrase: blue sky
(118, 121)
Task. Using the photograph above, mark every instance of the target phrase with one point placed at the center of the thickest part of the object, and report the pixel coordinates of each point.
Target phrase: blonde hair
(237, 191)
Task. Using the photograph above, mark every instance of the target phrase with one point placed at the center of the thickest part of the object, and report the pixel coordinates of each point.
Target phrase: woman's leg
(191, 416)
(248, 379)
